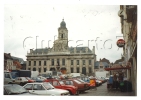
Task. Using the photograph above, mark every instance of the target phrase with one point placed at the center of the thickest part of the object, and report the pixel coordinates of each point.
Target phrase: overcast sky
(98, 24)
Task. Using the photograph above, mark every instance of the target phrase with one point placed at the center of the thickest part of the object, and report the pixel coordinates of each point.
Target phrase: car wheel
(21, 84)
(70, 92)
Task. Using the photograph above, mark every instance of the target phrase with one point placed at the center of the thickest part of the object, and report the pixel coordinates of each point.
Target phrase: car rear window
(61, 82)
(77, 81)
(69, 83)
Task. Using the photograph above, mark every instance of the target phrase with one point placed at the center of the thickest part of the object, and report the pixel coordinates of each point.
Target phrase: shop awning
(117, 68)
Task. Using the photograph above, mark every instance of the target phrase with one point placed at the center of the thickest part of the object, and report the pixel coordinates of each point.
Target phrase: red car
(81, 86)
(60, 85)
(30, 80)
(85, 83)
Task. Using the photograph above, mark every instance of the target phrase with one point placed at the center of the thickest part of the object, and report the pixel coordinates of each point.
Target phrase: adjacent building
(128, 16)
(8, 61)
(100, 68)
(12, 63)
(61, 57)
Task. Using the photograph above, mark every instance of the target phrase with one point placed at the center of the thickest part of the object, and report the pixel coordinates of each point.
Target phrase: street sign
(120, 43)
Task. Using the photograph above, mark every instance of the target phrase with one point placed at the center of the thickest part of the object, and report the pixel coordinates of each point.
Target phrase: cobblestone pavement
(103, 91)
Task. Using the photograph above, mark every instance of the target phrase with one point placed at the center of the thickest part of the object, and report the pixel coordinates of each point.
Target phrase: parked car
(81, 86)
(60, 85)
(38, 79)
(103, 80)
(15, 89)
(8, 78)
(30, 80)
(45, 88)
(21, 80)
(86, 79)
(98, 82)
(88, 83)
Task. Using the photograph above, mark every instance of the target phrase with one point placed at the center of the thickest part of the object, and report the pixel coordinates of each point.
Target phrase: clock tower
(61, 44)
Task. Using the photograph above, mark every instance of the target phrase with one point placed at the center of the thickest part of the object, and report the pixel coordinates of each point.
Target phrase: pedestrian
(121, 82)
(111, 81)
(115, 81)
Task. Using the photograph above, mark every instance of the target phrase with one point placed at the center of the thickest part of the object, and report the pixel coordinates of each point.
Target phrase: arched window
(62, 36)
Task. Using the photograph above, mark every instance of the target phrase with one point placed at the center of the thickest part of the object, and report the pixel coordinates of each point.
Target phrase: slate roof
(71, 49)
(105, 60)
(7, 56)
(20, 60)
(78, 49)
(96, 65)
(105, 64)
(40, 50)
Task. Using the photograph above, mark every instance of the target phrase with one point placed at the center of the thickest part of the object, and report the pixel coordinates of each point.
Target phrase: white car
(21, 80)
(45, 88)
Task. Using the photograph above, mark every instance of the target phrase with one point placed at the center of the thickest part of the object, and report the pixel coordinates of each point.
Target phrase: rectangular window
(63, 61)
(89, 62)
(39, 70)
(44, 63)
(29, 69)
(29, 63)
(90, 70)
(34, 63)
(45, 69)
(58, 64)
(77, 62)
(71, 62)
(101, 66)
(77, 70)
(83, 62)
(39, 63)
(71, 70)
(52, 62)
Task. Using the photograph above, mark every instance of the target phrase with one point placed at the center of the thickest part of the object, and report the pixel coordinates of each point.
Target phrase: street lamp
(25, 39)
(36, 44)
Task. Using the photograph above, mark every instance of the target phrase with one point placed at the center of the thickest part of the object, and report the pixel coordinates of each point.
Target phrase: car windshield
(77, 81)
(81, 80)
(48, 86)
(23, 78)
(28, 78)
(14, 89)
(38, 78)
(61, 82)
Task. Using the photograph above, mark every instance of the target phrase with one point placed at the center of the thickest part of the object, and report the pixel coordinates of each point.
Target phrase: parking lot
(103, 91)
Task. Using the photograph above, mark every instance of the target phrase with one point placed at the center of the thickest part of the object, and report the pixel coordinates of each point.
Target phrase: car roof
(11, 84)
(37, 83)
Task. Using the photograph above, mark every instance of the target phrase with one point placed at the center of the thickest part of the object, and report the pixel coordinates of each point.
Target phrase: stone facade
(8, 61)
(128, 16)
(62, 57)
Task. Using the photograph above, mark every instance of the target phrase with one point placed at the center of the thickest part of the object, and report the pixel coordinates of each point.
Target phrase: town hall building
(61, 57)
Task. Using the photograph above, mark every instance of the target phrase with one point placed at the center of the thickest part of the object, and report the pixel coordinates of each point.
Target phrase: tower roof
(63, 24)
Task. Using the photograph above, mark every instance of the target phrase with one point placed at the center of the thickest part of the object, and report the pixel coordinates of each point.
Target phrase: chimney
(31, 50)
(94, 49)
(86, 49)
(74, 49)
(9, 54)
